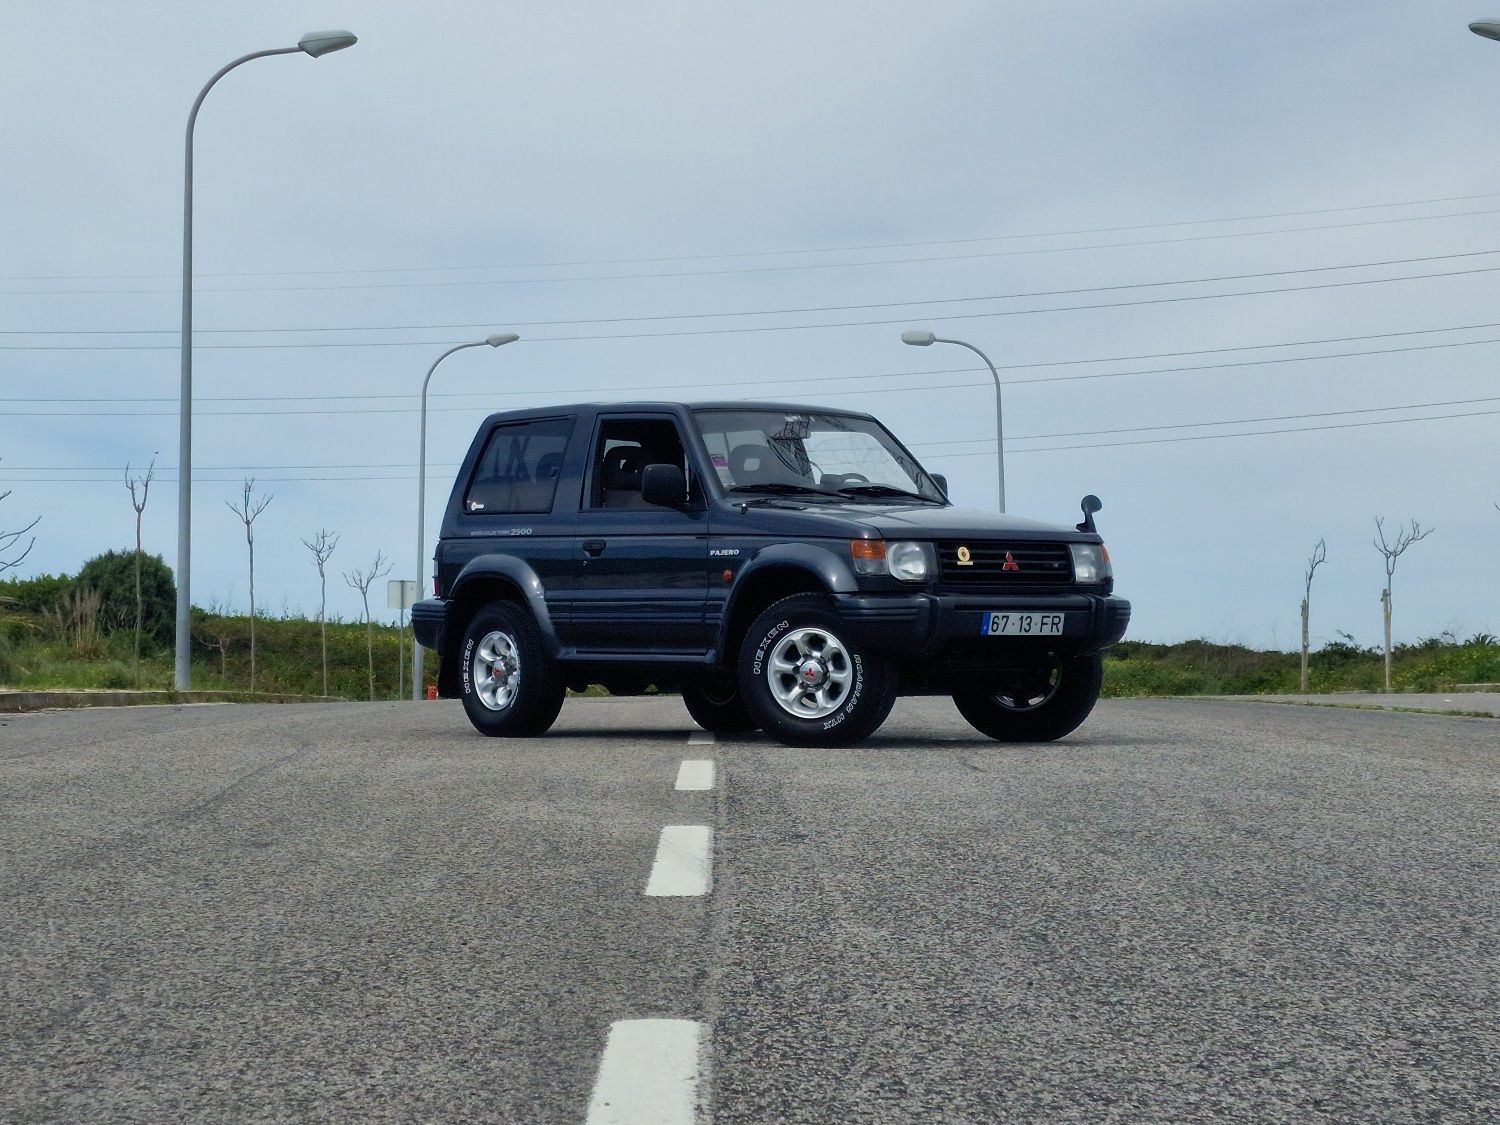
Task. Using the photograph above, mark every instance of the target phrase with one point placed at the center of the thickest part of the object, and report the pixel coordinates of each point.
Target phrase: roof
(668, 407)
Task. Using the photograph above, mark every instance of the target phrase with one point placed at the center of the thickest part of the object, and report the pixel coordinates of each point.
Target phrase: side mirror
(664, 485)
(1090, 504)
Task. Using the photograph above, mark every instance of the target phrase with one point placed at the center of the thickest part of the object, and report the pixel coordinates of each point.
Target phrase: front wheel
(1037, 706)
(808, 681)
(510, 687)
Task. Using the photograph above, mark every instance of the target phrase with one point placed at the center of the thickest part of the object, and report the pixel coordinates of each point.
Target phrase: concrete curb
(17, 701)
(1467, 704)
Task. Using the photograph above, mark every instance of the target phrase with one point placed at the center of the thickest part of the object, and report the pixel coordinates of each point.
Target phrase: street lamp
(416, 647)
(923, 339)
(314, 43)
(1490, 29)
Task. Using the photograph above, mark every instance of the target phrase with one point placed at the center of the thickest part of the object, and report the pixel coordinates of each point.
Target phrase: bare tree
(1392, 551)
(10, 540)
(247, 510)
(1317, 558)
(362, 581)
(139, 504)
(322, 545)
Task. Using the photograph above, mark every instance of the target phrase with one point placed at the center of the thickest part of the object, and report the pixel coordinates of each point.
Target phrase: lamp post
(416, 647)
(314, 43)
(923, 339)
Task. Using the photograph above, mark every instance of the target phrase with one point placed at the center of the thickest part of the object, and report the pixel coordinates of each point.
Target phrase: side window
(623, 450)
(518, 470)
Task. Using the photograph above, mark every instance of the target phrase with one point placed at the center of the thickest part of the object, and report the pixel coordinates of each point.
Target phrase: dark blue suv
(786, 568)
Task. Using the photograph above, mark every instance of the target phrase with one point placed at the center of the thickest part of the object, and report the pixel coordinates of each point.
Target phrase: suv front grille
(1032, 564)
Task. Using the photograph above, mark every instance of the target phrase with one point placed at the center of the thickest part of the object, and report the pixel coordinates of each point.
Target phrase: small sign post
(400, 594)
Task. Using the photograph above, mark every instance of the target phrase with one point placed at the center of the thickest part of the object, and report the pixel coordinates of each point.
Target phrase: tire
(805, 682)
(1038, 708)
(715, 705)
(510, 688)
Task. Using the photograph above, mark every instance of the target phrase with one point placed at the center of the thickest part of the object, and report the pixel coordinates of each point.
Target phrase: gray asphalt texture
(1187, 911)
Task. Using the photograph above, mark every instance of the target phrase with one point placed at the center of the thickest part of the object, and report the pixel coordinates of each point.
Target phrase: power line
(170, 471)
(864, 390)
(804, 310)
(1256, 433)
(1277, 290)
(819, 250)
(1224, 422)
(865, 378)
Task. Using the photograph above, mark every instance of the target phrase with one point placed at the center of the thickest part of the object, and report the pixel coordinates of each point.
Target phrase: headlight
(910, 562)
(1090, 563)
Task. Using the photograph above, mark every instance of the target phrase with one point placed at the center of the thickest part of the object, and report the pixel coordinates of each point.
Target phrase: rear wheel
(510, 687)
(1037, 706)
(807, 681)
(715, 704)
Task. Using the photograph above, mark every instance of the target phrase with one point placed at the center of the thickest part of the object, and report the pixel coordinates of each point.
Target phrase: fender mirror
(1090, 504)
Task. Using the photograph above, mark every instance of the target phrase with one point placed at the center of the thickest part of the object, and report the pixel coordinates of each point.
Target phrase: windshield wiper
(770, 490)
(882, 490)
(781, 488)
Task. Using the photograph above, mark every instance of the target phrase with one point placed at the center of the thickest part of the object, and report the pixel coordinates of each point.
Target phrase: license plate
(1021, 625)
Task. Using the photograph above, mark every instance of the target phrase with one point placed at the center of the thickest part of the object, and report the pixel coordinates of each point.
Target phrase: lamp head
(1490, 29)
(317, 43)
(918, 336)
(501, 338)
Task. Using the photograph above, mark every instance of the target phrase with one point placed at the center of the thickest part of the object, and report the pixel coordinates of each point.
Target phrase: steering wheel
(854, 478)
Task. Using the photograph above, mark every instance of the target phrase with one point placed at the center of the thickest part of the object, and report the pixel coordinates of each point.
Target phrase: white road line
(695, 774)
(650, 1073)
(684, 861)
(701, 738)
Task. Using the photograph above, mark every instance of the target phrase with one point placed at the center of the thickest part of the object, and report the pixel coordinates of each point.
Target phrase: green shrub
(112, 575)
(1436, 670)
(38, 594)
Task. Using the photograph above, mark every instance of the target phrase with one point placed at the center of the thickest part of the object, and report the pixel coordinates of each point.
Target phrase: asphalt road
(1187, 911)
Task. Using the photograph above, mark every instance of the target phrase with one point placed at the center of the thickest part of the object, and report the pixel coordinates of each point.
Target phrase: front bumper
(923, 625)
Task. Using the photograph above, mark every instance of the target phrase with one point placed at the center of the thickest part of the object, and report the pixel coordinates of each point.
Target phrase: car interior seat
(622, 477)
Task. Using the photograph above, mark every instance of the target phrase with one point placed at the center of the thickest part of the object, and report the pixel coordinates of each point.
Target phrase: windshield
(768, 450)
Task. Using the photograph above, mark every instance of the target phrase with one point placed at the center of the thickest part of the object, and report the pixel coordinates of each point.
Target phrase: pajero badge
(964, 557)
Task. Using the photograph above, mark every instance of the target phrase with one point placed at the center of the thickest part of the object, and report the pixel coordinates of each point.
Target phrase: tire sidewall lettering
(852, 703)
(758, 665)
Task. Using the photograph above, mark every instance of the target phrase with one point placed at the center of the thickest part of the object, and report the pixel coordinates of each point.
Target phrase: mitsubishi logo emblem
(1010, 562)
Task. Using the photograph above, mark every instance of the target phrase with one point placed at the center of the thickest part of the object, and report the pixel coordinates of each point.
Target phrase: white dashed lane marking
(650, 1072)
(695, 775)
(684, 861)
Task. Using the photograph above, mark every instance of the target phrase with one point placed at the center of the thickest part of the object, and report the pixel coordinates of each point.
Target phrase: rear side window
(518, 470)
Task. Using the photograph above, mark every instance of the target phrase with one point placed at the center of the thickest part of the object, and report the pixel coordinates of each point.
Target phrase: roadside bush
(1441, 668)
(1196, 667)
(112, 576)
(38, 594)
(1125, 679)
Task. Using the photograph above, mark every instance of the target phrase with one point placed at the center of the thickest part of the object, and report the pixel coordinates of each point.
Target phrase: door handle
(593, 548)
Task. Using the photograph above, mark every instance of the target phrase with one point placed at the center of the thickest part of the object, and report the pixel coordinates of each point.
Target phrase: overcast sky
(1239, 265)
